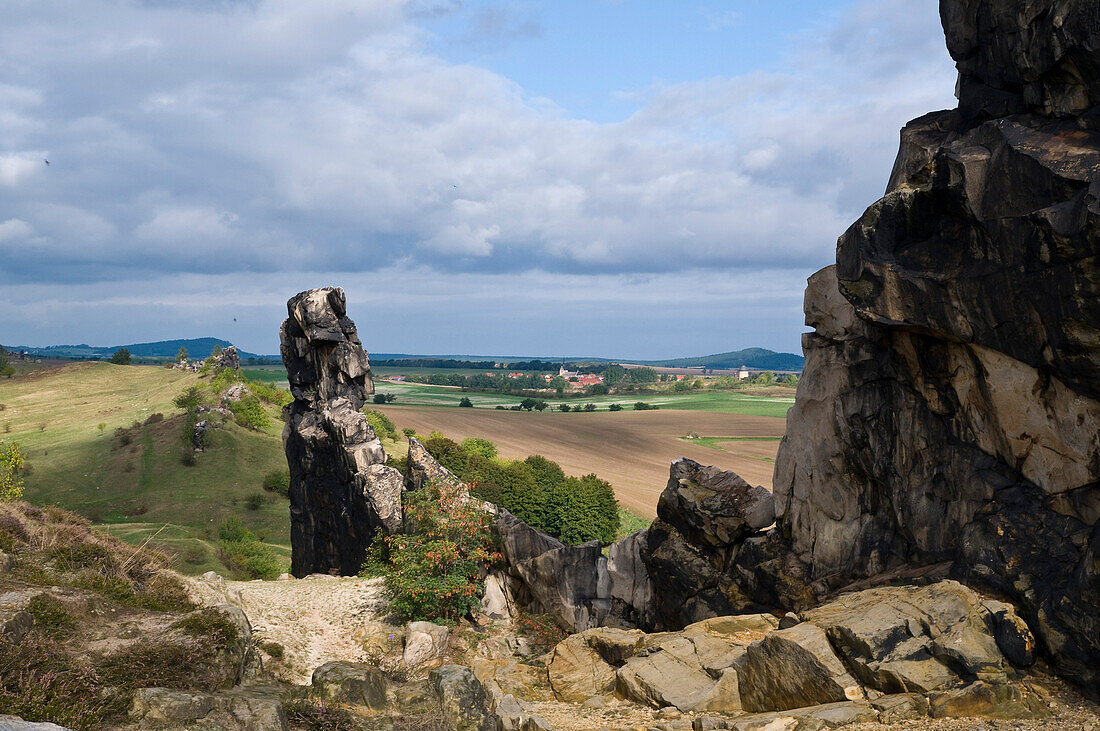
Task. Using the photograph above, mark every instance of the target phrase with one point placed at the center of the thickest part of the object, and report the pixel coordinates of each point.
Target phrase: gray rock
(463, 699)
(352, 683)
(229, 358)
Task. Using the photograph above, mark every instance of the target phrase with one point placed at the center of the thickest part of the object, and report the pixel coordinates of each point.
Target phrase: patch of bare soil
(315, 620)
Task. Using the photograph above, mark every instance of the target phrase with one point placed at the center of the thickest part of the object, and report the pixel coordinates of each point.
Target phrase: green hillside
(136, 484)
(196, 348)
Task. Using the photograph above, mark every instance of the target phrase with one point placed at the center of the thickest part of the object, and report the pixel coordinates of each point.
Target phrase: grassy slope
(141, 487)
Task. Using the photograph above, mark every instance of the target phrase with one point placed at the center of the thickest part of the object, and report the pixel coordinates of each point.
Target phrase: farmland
(631, 449)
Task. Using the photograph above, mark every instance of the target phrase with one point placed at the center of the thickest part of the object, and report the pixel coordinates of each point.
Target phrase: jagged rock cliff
(950, 406)
(341, 492)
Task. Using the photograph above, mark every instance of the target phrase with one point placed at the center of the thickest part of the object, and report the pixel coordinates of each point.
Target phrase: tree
(11, 468)
(4, 362)
(614, 375)
(541, 405)
(182, 355)
(559, 384)
(121, 357)
(466, 402)
(590, 407)
(615, 407)
(767, 378)
(564, 408)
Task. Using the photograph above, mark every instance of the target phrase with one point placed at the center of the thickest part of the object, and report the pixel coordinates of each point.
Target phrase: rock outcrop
(341, 492)
(229, 358)
(950, 407)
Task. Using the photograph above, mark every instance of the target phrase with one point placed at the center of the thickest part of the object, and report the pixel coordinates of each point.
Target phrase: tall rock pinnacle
(341, 492)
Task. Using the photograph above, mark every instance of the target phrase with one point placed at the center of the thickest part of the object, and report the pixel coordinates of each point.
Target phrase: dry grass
(632, 450)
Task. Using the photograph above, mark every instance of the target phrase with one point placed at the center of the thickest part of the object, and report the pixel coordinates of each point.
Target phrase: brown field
(630, 449)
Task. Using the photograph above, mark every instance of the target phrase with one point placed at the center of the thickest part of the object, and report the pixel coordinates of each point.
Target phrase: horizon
(478, 176)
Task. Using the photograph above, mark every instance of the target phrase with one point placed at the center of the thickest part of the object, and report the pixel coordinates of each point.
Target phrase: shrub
(643, 406)
(435, 573)
(255, 501)
(243, 553)
(590, 407)
(382, 424)
(250, 413)
(615, 407)
(154, 419)
(480, 447)
(317, 715)
(12, 467)
(269, 393)
(189, 399)
(121, 357)
(50, 614)
(384, 398)
(466, 402)
(408, 432)
(584, 509)
(564, 408)
(278, 482)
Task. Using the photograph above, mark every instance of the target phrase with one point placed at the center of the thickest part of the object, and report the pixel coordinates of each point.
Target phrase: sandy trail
(315, 619)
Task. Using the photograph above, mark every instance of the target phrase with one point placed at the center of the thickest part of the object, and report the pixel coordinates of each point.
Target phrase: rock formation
(341, 492)
(950, 406)
(229, 358)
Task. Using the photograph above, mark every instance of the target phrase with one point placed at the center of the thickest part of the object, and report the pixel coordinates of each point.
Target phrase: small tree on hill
(4, 363)
(121, 357)
(11, 468)
(182, 355)
(466, 403)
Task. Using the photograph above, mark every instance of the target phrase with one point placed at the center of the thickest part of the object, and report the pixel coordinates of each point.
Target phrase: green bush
(278, 482)
(465, 402)
(565, 408)
(249, 413)
(243, 553)
(382, 424)
(255, 501)
(643, 406)
(584, 509)
(268, 392)
(435, 573)
(480, 447)
(190, 399)
(50, 614)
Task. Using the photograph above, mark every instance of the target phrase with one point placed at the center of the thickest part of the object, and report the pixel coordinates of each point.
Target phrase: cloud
(228, 138)
(13, 230)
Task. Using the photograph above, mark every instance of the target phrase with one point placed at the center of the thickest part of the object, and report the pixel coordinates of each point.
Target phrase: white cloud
(287, 136)
(14, 230)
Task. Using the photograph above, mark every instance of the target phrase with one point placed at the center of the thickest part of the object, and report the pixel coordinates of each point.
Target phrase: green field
(728, 402)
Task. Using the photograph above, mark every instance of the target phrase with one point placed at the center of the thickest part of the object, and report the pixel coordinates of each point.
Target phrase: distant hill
(196, 348)
(755, 358)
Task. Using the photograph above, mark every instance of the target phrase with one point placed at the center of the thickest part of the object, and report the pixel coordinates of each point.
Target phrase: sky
(612, 178)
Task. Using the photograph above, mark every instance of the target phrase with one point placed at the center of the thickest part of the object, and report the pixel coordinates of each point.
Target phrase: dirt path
(316, 619)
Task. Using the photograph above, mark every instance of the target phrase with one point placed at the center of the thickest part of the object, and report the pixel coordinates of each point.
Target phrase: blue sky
(613, 178)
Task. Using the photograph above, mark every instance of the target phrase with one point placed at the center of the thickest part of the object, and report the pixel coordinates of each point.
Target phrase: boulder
(341, 494)
(524, 682)
(242, 709)
(424, 642)
(494, 600)
(422, 468)
(669, 674)
(919, 639)
(631, 587)
(14, 723)
(570, 583)
(986, 700)
(355, 684)
(578, 672)
(464, 702)
(792, 668)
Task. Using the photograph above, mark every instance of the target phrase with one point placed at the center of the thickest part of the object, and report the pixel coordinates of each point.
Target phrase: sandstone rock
(422, 468)
(792, 668)
(510, 717)
(211, 590)
(988, 701)
(238, 710)
(901, 707)
(577, 671)
(494, 602)
(424, 642)
(631, 587)
(15, 623)
(341, 495)
(670, 675)
(910, 639)
(234, 393)
(351, 683)
(463, 699)
(570, 583)
(949, 410)
(414, 698)
(525, 682)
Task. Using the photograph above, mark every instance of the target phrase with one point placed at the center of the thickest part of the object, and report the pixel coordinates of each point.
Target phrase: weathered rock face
(229, 358)
(341, 493)
(706, 550)
(950, 406)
